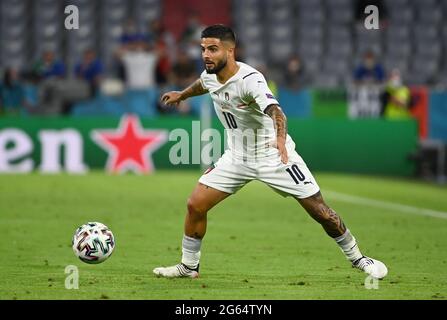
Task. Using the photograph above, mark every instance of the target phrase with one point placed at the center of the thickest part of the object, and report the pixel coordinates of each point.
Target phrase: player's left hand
(281, 145)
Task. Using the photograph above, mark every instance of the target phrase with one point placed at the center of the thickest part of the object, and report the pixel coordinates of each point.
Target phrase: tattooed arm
(174, 97)
(280, 122)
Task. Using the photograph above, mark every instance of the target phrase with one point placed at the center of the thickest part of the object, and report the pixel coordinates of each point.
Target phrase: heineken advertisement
(130, 144)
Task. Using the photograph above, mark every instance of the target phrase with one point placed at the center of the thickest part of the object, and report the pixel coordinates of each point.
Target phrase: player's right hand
(172, 98)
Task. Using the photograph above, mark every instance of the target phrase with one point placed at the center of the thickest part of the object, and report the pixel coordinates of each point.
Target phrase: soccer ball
(93, 242)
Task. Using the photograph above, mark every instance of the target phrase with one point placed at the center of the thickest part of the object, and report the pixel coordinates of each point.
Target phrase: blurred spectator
(193, 28)
(130, 36)
(139, 65)
(139, 59)
(295, 76)
(183, 74)
(48, 67)
(369, 71)
(49, 72)
(397, 98)
(164, 42)
(12, 94)
(191, 38)
(131, 33)
(90, 69)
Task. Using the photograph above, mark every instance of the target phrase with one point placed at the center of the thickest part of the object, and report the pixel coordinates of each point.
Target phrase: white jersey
(240, 104)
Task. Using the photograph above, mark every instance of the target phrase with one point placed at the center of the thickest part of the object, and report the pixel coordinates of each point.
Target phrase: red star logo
(130, 146)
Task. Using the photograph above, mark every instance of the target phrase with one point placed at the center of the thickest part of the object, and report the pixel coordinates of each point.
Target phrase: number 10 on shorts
(296, 174)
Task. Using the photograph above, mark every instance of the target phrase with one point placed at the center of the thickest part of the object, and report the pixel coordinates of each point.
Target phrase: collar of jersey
(234, 77)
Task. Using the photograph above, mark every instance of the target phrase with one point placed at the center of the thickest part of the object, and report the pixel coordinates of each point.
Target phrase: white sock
(348, 246)
(191, 251)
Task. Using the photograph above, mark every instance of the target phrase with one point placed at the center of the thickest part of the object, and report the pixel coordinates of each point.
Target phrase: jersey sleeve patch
(258, 90)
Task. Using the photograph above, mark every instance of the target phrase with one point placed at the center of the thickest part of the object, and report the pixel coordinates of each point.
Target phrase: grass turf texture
(258, 245)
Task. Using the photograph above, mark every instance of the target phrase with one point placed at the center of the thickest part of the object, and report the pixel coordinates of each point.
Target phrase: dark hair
(219, 31)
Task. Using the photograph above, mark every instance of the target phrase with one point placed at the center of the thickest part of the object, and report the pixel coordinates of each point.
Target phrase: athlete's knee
(196, 207)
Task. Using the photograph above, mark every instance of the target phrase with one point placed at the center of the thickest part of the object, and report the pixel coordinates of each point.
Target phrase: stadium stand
(326, 34)
(412, 40)
(331, 41)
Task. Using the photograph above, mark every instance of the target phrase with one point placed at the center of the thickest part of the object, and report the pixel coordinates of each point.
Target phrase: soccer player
(258, 148)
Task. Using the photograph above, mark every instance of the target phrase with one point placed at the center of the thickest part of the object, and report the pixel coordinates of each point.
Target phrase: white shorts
(291, 179)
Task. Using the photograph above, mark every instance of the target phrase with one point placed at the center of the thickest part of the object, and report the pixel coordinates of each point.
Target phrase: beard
(220, 65)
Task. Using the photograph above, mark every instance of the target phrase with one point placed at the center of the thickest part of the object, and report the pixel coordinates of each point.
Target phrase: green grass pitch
(259, 245)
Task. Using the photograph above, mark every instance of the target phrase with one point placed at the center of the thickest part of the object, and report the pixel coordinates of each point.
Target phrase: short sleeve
(202, 80)
(256, 89)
